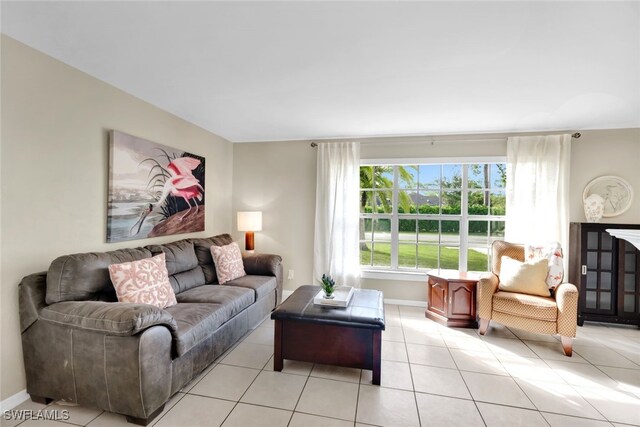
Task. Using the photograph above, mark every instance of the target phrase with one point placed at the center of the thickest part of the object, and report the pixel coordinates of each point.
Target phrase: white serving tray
(341, 297)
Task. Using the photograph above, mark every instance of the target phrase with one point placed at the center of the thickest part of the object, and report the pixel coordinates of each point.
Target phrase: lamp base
(248, 241)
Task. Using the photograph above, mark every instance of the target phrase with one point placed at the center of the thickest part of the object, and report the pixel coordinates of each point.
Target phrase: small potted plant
(328, 286)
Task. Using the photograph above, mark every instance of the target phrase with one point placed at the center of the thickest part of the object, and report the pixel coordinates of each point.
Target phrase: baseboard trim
(13, 401)
(407, 302)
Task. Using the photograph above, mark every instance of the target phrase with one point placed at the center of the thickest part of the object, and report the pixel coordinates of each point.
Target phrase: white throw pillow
(553, 253)
(228, 261)
(524, 277)
(143, 282)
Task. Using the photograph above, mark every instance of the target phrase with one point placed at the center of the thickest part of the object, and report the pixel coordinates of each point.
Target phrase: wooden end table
(451, 298)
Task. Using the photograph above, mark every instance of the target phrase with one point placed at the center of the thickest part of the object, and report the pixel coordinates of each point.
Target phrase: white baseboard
(407, 302)
(13, 401)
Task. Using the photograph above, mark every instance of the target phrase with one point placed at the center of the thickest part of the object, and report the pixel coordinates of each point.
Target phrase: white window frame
(417, 274)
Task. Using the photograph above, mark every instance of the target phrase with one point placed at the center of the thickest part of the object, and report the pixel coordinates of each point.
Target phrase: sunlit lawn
(427, 257)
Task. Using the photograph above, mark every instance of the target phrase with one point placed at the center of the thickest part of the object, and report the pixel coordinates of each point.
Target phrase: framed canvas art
(154, 190)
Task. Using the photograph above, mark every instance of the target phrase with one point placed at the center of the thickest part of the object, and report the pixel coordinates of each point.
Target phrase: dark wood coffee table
(350, 336)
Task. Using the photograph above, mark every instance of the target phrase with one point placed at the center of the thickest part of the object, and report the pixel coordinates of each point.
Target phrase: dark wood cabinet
(606, 271)
(451, 298)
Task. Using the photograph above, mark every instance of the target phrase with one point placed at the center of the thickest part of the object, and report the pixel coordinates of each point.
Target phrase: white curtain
(336, 239)
(538, 189)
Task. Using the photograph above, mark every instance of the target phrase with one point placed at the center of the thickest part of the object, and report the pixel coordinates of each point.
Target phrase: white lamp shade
(250, 221)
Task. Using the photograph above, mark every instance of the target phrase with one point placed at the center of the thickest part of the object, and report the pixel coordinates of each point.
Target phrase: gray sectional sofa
(81, 345)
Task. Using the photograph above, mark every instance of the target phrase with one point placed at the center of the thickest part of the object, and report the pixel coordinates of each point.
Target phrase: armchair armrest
(567, 300)
(31, 299)
(487, 286)
(110, 318)
(261, 264)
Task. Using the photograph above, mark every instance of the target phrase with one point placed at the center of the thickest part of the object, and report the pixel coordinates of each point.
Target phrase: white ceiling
(256, 71)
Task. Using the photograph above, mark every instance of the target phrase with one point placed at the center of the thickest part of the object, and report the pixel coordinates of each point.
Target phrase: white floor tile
(245, 415)
(508, 347)
(441, 381)
(553, 351)
(275, 389)
(294, 367)
(558, 398)
(496, 389)
(604, 357)
(432, 338)
(614, 405)
(581, 374)
(465, 342)
(477, 361)
(197, 411)
(394, 351)
(306, 420)
(14, 416)
(80, 415)
(529, 368)
(393, 333)
(262, 336)
(249, 355)
(429, 355)
(557, 420)
(441, 411)
(338, 373)
(628, 379)
(226, 382)
(499, 416)
(387, 407)
(392, 375)
(329, 398)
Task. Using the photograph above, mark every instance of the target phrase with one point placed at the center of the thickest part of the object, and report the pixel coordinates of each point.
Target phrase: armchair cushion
(524, 277)
(523, 305)
(111, 318)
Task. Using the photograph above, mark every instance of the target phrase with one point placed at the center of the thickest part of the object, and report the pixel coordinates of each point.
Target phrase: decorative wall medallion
(616, 192)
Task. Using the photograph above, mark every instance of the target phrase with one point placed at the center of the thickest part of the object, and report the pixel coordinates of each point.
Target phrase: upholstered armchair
(544, 315)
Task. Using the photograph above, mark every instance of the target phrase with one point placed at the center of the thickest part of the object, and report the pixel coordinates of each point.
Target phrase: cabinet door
(628, 281)
(438, 296)
(462, 300)
(598, 280)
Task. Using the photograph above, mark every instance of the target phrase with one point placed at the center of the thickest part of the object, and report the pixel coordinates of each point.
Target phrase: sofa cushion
(196, 322)
(143, 282)
(234, 300)
(203, 253)
(523, 305)
(81, 277)
(261, 285)
(180, 255)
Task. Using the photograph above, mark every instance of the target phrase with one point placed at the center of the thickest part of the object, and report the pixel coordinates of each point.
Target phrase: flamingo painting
(182, 184)
(154, 190)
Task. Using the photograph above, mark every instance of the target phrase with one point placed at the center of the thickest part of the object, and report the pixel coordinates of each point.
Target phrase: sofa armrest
(32, 293)
(567, 300)
(266, 265)
(487, 286)
(261, 264)
(110, 318)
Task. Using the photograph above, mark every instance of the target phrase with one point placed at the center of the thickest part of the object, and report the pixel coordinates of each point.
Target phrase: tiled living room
(374, 213)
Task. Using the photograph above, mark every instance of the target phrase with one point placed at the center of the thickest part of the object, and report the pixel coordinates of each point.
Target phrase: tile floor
(431, 376)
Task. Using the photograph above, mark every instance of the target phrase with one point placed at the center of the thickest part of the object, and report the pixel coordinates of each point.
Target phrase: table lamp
(249, 222)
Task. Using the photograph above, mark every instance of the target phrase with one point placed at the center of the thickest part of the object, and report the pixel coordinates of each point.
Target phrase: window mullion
(395, 227)
(464, 221)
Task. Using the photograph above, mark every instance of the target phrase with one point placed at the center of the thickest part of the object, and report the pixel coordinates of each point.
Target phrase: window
(423, 216)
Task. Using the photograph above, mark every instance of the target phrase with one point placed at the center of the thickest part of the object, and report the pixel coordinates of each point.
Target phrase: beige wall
(605, 152)
(54, 173)
(279, 179)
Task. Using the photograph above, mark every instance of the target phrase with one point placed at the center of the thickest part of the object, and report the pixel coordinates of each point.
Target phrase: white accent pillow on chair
(524, 277)
(553, 253)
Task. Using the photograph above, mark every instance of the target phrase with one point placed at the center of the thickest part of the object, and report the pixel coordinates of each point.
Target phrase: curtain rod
(574, 135)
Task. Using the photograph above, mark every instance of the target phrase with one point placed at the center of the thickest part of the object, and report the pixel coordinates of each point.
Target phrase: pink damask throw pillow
(228, 261)
(553, 253)
(143, 282)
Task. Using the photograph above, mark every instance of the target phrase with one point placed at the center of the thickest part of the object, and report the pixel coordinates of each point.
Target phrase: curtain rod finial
(314, 145)
(576, 135)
